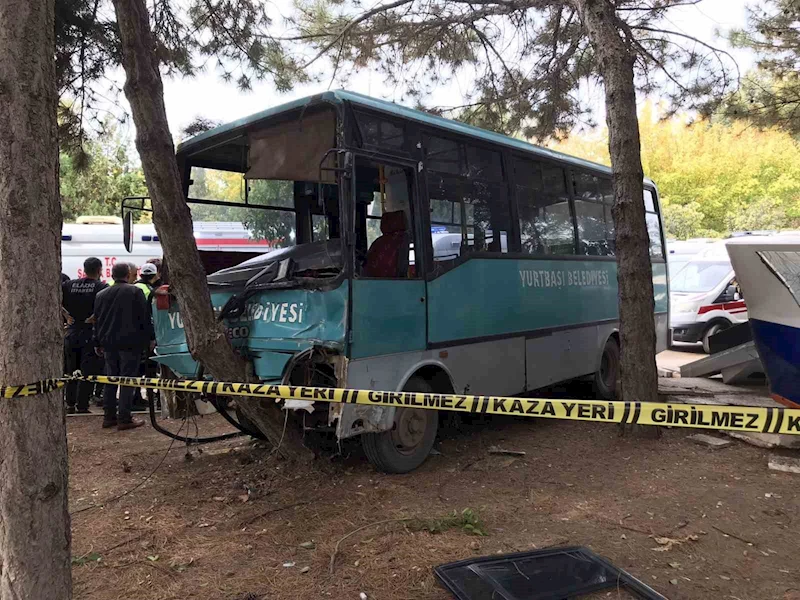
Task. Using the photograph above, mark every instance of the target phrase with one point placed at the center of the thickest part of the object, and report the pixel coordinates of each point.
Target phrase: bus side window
(593, 215)
(545, 220)
(469, 205)
(653, 224)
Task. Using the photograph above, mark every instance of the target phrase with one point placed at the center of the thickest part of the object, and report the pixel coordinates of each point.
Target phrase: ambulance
(103, 237)
(705, 297)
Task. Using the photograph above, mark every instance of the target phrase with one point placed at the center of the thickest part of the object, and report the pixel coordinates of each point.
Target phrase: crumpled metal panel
(285, 320)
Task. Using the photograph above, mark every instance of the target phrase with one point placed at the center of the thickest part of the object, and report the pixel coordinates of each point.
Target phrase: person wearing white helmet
(147, 277)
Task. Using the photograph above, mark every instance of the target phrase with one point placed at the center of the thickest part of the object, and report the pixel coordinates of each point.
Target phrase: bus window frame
(416, 208)
(566, 172)
(598, 200)
(653, 189)
(415, 133)
(505, 154)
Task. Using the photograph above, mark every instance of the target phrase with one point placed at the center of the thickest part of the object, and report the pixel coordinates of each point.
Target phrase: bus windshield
(280, 219)
(700, 276)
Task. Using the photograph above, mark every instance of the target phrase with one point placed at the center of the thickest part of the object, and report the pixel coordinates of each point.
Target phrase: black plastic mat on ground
(553, 574)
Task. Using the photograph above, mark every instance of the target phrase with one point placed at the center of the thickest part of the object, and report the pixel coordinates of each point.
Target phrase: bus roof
(392, 109)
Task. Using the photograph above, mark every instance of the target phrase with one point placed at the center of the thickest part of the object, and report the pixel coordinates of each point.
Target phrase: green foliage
(91, 557)
(713, 176)
(770, 96)
(683, 220)
(94, 183)
(762, 213)
(467, 521)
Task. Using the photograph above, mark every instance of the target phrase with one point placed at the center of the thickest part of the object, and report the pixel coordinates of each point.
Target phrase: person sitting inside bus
(387, 257)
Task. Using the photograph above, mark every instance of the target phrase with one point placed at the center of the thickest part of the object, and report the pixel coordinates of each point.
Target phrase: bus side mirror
(127, 231)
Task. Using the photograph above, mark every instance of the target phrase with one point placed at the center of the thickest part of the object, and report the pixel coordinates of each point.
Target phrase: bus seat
(387, 257)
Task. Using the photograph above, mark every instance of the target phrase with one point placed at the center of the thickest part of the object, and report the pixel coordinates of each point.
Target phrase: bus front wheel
(605, 379)
(407, 444)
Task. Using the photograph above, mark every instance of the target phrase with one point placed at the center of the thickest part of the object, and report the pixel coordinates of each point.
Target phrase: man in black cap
(77, 302)
(123, 331)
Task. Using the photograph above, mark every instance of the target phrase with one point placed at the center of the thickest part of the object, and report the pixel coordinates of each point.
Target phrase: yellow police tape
(695, 416)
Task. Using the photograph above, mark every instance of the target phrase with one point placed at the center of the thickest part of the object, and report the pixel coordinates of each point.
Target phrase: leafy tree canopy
(95, 182)
(770, 96)
(713, 176)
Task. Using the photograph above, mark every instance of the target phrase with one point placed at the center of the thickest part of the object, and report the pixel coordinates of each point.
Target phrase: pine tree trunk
(206, 337)
(638, 373)
(34, 520)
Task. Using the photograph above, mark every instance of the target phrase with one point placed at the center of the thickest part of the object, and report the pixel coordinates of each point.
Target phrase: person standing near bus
(133, 273)
(160, 272)
(122, 332)
(78, 298)
(147, 277)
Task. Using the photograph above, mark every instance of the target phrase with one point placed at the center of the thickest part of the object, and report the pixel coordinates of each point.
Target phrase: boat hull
(768, 271)
(779, 348)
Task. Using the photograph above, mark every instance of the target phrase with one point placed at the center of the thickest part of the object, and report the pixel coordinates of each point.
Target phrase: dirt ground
(235, 523)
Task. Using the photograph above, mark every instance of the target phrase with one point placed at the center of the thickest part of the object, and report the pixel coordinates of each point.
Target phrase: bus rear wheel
(407, 444)
(605, 378)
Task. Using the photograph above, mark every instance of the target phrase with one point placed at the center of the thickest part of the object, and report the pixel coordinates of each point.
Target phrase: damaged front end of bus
(283, 294)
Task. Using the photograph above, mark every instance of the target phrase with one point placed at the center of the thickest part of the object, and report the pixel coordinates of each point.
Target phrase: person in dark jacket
(77, 304)
(123, 331)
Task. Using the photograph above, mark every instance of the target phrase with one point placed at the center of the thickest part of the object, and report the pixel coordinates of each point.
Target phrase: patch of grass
(79, 561)
(467, 520)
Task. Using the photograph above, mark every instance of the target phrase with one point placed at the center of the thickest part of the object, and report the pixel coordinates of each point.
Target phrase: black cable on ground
(240, 426)
(189, 440)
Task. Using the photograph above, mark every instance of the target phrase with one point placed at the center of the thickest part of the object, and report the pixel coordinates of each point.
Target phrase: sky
(208, 96)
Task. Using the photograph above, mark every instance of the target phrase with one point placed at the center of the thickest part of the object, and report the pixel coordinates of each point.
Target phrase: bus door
(388, 290)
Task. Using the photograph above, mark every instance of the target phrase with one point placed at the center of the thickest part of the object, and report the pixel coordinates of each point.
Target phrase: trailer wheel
(605, 378)
(406, 446)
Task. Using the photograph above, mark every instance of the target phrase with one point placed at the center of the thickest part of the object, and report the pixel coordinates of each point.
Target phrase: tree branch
(717, 51)
(360, 19)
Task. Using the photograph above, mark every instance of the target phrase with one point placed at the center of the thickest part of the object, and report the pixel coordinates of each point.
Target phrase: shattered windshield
(260, 220)
(317, 261)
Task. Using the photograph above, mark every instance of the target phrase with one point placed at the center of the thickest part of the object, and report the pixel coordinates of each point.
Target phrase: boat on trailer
(768, 271)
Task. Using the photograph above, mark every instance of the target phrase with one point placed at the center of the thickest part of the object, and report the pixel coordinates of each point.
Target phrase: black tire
(715, 328)
(406, 446)
(605, 378)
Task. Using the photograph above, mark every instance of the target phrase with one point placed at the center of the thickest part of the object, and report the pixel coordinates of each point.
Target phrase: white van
(680, 252)
(704, 297)
(103, 238)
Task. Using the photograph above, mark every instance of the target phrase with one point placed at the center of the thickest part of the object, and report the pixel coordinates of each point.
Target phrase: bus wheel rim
(409, 430)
